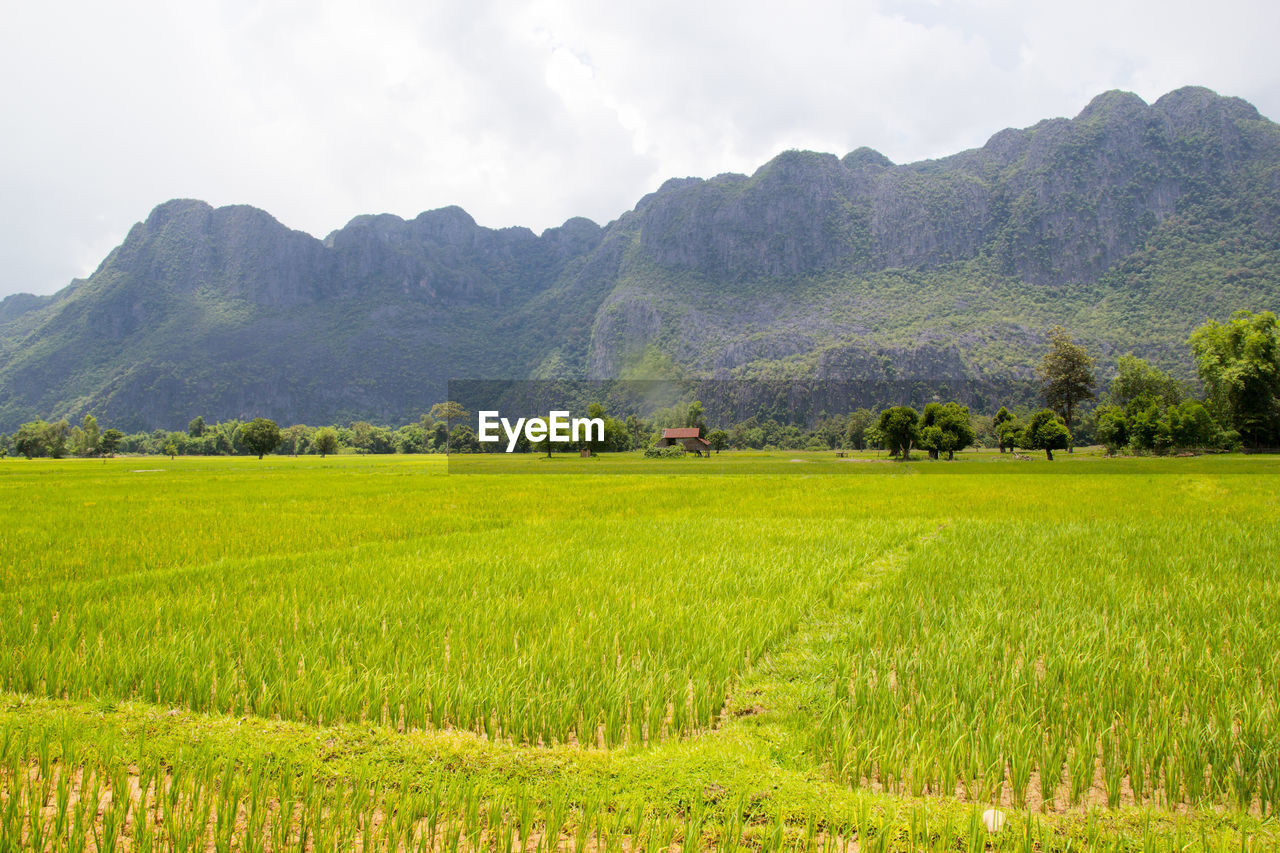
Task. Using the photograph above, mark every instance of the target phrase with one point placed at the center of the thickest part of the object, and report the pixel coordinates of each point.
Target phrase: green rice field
(763, 651)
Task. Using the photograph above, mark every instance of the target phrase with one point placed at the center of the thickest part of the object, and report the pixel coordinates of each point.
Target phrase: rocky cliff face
(228, 312)
(1056, 203)
(1129, 223)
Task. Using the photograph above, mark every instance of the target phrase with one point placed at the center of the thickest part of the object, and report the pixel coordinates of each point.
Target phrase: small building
(690, 438)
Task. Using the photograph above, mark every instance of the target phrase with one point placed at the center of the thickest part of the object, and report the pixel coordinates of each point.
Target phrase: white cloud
(530, 112)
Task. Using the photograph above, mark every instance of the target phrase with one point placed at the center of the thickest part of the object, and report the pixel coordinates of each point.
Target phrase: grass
(1143, 667)
(373, 652)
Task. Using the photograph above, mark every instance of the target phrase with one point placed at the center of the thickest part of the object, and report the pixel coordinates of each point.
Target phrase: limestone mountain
(1130, 224)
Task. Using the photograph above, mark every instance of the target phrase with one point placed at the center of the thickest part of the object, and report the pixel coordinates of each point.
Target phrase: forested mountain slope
(1130, 224)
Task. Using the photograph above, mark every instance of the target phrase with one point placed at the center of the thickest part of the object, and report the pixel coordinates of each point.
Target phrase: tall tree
(1239, 363)
(1001, 418)
(293, 435)
(110, 440)
(635, 429)
(29, 439)
(860, 420)
(694, 417)
(1135, 379)
(90, 437)
(39, 438)
(365, 437)
(1066, 375)
(540, 426)
(596, 410)
(1113, 428)
(260, 436)
(326, 441)
(898, 430)
(945, 428)
(1190, 425)
(448, 411)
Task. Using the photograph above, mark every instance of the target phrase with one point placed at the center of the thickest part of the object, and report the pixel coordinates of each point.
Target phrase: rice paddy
(743, 652)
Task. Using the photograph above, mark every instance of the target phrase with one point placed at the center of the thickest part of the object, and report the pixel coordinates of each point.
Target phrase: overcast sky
(528, 113)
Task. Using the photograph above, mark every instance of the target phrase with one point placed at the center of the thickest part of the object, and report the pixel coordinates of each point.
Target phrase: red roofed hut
(690, 438)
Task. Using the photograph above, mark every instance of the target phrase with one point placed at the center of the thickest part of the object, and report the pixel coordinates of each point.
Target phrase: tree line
(227, 438)
(1143, 410)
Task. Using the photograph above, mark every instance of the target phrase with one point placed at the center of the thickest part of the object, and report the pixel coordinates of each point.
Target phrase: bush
(673, 452)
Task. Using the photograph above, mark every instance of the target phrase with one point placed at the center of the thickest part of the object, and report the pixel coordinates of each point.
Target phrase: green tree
(171, 449)
(410, 438)
(945, 428)
(829, 432)
(898, 430)
(1191, 425)
(1146, 411)
(109, 441)
(29, 439)
(1239, 363)
(617, 437)
(40, 438)
(1113, 428)
(1046, 431)
(1148, 428)
(855, 435)
(540, 426)
(637, 431)
(1135, 379)
(718, 439)
(746, 434)
(362, 435)
(1066, 375)
(448, 411)
(226, 437)
(196, 427)
(75, 441)
(1001, 418)
(372, 439)
(694, 417)
(439, 436)
(260, 436)
(293, 436)
(89, 436)
(56, 435)
(596, 410)
(1010, 433)
(326, 441)
(463, 439)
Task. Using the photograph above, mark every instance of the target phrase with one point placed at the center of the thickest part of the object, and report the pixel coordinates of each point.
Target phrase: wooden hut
(690, 438)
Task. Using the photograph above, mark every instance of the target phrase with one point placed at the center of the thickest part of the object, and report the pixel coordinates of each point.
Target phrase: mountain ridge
(1129, 223)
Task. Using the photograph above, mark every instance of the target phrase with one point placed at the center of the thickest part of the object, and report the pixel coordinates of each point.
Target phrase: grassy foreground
(765, 650)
